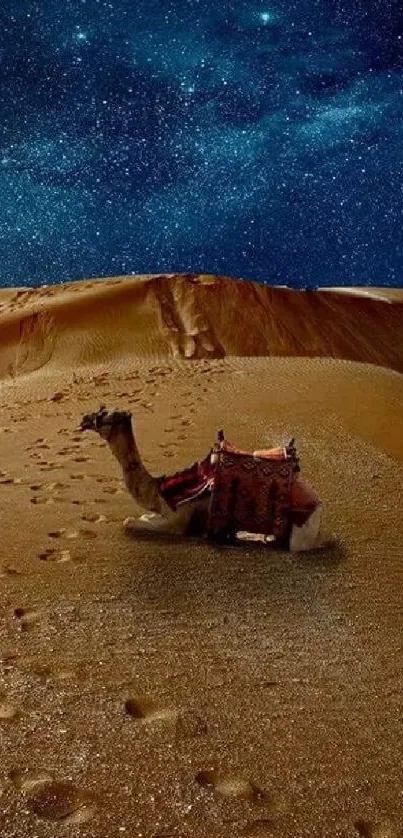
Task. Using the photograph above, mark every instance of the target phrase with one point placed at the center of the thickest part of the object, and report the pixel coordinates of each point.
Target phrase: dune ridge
(194, 316)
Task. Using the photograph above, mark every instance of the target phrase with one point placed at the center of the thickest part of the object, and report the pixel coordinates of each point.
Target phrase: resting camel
(190, 517)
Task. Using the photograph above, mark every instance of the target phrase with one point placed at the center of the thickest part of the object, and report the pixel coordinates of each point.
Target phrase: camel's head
(104, 423)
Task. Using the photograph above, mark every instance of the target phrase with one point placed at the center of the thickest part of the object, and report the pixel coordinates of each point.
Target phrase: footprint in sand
(9, 570)
(62, 533)
(231, 785)
(54, 800)
(40, 499)
(376, 829)
(25, 780)
(109, 491)
(53, 555)
(93, 517)
(147, 710)
(27, 618)
(86, 532)
(188, 724)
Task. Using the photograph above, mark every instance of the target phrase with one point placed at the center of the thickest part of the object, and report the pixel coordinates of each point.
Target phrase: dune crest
(194, 316)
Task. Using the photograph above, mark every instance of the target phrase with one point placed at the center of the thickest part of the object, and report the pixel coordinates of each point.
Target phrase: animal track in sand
(376, 829)
(77, 476)
(25, 780)
(40, 499)
(93, 517)
(59, 801)
(10, 480)
(86, 532)
(230, 785)
(63, 533)
(147, 710)
(53, 555)
(27, 618)
(9, 570)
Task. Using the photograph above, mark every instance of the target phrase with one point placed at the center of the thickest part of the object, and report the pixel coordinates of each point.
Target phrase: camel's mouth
(88, 422)
(92, 421)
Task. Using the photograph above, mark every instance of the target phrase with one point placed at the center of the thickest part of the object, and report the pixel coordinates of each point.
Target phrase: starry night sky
(252, 139)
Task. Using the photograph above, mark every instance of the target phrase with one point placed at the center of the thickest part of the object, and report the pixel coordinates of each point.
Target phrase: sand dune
(194, 316)
(174, 689)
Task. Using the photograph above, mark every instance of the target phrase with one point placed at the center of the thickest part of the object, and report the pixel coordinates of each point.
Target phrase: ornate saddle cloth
(257, 493)
(251, 493)
(192, 482)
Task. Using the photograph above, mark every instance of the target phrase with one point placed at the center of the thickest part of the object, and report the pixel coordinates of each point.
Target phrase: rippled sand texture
(162, 689)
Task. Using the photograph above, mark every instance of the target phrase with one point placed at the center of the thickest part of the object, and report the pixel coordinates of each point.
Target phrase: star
(268, 17)
(80, 36)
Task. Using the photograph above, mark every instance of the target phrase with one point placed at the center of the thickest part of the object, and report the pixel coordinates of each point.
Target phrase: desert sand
(171, 688)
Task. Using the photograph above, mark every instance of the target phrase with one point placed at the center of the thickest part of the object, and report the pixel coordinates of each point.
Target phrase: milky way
(257, 140)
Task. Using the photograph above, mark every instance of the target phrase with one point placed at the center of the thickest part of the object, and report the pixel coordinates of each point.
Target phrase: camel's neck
(140, 483)
(124, 448)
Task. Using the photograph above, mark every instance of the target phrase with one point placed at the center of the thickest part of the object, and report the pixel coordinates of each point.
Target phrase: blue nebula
(251, 139)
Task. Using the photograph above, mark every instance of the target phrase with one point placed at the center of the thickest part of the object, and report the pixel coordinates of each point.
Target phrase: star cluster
(252, 139)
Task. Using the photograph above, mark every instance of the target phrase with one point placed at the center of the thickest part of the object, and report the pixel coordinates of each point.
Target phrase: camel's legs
(178, 522)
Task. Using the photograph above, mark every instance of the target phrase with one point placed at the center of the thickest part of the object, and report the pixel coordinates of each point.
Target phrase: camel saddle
(255, 492)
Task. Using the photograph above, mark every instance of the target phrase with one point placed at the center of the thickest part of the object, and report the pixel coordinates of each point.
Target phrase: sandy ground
(269, 685)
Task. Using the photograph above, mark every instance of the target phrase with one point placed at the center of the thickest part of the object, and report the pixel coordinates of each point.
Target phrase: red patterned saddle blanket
(252, 494)
(186, 485)
(260, 492)
(199, 478)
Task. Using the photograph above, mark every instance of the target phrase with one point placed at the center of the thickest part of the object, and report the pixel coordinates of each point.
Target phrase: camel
(188, 518)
